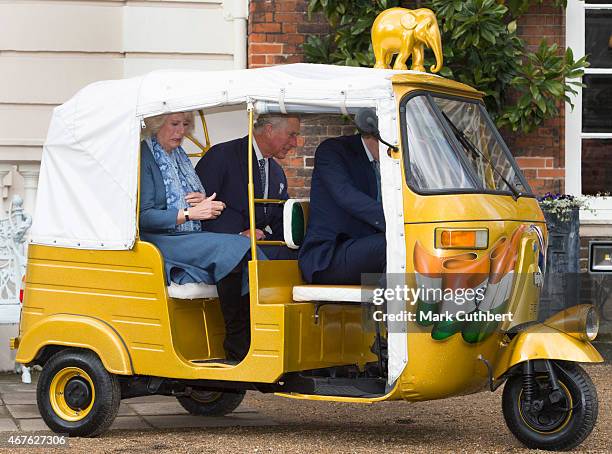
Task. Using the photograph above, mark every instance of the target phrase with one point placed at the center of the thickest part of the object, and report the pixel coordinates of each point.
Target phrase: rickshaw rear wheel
(211, 403)
(559, 424)
(76, 395)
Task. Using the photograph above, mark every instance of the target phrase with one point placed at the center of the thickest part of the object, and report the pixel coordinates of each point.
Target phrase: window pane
(597, 103)
(493, 163)
(433, 163)
(598, 38)
(596, 166)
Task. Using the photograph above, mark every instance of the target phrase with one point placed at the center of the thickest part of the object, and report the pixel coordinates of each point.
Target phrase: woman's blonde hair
(154, 124)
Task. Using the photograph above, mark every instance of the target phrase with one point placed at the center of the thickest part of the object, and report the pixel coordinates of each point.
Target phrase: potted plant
(561, 282)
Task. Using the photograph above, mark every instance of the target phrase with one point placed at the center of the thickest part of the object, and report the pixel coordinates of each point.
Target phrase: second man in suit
(224, 170)
(346, 229)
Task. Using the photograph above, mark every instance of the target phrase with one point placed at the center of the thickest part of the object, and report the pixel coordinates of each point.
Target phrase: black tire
(211, 403)
(558, 427)
(62, 394)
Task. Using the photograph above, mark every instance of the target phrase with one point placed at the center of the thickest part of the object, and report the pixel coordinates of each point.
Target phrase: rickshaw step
(329, 386)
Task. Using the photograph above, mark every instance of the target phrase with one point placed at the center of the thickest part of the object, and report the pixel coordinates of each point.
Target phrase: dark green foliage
(351, 21)
(481, 49)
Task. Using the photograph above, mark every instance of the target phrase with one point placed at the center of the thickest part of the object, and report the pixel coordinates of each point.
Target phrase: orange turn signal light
(461, 238)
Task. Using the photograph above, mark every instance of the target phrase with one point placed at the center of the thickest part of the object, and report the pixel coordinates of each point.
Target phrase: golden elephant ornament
(405, 32)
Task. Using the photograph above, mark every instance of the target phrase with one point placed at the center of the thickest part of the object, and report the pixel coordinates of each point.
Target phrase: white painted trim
(602, 214)
(574, 29)
(598, 71)
(596, 135)
(594, 6)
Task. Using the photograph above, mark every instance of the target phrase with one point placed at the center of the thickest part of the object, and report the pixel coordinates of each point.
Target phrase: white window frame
(575, 29)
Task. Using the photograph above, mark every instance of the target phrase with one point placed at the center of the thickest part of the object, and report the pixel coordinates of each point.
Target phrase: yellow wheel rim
(57, 394)
(564, 422)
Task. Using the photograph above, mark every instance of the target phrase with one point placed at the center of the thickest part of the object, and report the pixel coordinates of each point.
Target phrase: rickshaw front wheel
(211, 403)
(556, 421)
(76, 395)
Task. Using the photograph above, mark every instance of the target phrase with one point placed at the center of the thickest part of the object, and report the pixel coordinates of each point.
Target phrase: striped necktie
(376, 167)
(262, 177)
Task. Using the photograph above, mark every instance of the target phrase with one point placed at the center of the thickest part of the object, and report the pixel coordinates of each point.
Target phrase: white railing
(13, 230)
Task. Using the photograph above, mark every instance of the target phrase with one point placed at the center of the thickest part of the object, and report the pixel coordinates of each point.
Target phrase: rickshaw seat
(295, 220)
(192, 291)
(331, 293)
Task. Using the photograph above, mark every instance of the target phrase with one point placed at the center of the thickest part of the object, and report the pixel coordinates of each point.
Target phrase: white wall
(49, 49)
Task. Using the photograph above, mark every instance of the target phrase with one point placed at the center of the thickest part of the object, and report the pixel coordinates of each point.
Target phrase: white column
(30, 173)
(574, 29)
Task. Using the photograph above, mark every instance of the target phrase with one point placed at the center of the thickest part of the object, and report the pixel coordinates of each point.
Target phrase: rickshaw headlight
(460, 238)
(580, 321)
(591, 325)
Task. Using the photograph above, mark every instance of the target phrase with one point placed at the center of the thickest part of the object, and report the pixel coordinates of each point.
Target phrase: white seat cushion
(339, 293)
(192, 291)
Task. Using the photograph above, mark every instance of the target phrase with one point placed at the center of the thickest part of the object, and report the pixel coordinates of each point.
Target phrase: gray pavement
(19, 412)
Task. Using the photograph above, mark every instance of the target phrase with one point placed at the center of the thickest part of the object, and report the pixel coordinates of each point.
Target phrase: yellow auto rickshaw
(103, 324)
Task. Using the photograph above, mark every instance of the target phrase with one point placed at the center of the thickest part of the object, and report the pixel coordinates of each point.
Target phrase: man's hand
(193, 198)
(259, 234)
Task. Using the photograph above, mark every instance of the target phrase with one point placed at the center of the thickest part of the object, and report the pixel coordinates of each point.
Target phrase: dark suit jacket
(224, 169)
(343, 202)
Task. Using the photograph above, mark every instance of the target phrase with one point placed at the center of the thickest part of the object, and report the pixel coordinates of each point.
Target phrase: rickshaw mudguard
(77, 331)
(543, 342)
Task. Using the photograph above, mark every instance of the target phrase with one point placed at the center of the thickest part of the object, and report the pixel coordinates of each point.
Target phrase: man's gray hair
(275, 120)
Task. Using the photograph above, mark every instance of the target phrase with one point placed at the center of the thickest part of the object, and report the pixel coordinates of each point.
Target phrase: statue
(404, 32)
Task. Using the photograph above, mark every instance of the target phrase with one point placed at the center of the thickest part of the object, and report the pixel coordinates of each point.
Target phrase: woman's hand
(193, 198)
(259, 234)
(208, 208)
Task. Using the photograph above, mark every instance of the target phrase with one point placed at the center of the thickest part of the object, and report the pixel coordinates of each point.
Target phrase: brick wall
(542, 153)
(315, 129)
(278, 28)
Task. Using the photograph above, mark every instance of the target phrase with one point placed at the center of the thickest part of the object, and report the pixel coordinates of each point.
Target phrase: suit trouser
(352, 258)
(236, 315)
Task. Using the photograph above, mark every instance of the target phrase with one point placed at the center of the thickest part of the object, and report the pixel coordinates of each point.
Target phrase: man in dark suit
(346, 228)
(224, 169)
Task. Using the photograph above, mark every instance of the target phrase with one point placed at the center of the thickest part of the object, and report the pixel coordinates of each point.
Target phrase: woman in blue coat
(172, 205)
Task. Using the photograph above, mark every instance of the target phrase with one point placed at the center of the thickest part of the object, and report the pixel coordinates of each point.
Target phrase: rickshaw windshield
(454, 147)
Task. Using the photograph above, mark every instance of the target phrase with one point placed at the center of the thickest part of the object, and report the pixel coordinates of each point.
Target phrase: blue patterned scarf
(179, 179)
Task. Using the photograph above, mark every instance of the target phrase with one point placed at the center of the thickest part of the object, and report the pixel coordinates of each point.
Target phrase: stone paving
(19, 412)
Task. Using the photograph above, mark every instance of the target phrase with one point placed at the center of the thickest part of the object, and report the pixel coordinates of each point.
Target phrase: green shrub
(481, 49)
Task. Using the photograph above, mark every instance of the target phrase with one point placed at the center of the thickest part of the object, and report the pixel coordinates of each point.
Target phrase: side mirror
(367, 122)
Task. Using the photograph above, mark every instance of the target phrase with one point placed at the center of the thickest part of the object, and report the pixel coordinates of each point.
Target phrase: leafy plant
(481, 49)
(541, 80)
(520, 7)
(563, 205)
(351, 21)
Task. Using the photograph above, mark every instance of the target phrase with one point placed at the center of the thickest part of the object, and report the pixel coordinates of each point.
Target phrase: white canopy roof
(87, 192)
